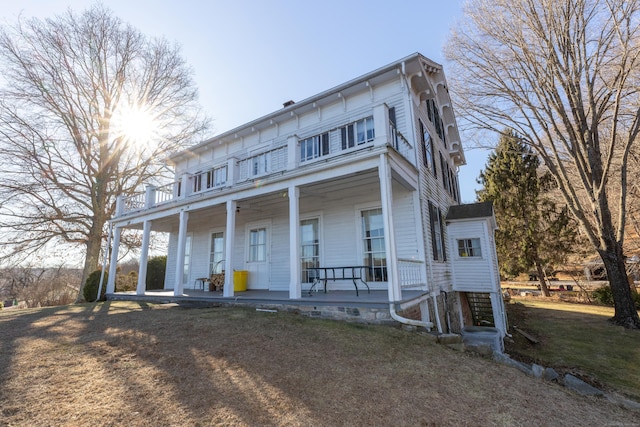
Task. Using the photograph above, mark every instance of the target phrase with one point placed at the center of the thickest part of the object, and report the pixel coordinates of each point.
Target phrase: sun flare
(136, 125)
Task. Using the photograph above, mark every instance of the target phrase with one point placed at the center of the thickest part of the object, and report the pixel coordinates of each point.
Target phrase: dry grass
(578, 338)
(136, 365)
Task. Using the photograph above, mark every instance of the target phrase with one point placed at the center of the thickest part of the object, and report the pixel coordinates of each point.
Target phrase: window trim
(468, 249)
(350, 133)
(314, 147)
(429, 151)
(371, 273)
(218, 263)
(318, 244)
(438, 240)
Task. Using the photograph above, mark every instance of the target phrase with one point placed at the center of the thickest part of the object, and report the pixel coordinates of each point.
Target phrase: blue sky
(250, 56)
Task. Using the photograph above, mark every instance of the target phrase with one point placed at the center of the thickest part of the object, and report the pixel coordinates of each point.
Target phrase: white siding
(472, 274)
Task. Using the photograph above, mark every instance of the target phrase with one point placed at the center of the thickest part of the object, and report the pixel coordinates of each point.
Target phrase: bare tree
(89, 108)
(565, 75)
(37, 286)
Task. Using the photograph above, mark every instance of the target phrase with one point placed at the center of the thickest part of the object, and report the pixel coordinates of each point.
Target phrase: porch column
(111, 283)
(182, 241)
(144, 257)
(386, 197)
(232, 205)
(295, 287)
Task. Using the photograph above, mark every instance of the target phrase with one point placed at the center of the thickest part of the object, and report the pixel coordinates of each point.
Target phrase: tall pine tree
(533, 232)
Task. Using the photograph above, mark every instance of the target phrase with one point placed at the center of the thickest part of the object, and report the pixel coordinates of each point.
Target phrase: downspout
(435, 307)
(104, 262)
(397, 317)
(447, 313)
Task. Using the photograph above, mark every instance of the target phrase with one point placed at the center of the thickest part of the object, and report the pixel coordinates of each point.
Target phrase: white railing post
(381, 124)
(231, 172)
(186, 185)
(292, 152)
(149, 196)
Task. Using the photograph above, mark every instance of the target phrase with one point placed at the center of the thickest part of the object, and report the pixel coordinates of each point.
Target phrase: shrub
(126, 282)
(604, 296)
(90, 291)
(156, 268)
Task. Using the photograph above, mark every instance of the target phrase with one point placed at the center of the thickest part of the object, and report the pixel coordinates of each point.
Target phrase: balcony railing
(399, 142)
(165, 193)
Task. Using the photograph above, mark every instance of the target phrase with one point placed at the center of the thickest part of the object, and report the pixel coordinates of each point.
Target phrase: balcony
(294, 155)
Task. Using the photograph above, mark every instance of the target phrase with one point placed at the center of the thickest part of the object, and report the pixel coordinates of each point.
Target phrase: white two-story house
(362, 175)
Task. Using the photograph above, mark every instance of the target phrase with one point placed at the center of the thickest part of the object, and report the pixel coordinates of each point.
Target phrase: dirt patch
(126, 364)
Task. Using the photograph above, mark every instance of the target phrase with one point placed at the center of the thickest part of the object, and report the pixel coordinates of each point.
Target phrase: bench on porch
(324, 274)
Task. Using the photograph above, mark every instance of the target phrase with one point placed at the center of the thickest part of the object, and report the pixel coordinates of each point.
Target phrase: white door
(258, 256)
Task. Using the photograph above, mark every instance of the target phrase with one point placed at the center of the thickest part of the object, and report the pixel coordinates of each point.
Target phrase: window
(469, 248)
(258, 245)
(310, 248)
(373, 240)
(347, 137)
(427, 142)
(260, 165)
(197, 182)
(437, 233)
(313, 147)
(393, 127)
(216, 256)
(456, 188)
(434, 117)
(218, 178)
(357, 133)
(445, 174)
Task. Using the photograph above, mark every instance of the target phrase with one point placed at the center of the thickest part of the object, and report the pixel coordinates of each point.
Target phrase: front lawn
(118, 363)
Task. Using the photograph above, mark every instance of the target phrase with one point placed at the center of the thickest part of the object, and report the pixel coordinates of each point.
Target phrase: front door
(258, 256)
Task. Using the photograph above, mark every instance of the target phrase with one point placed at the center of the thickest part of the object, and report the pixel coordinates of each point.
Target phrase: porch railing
(411, 273)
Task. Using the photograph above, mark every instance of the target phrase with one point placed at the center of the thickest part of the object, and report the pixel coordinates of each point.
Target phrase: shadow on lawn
(174, 366)
(208, 372)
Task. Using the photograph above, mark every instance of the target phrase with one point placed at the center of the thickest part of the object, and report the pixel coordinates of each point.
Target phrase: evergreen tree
(533, 232)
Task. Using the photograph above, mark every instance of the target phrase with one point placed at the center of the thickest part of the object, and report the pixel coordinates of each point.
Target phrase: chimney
(286, 104)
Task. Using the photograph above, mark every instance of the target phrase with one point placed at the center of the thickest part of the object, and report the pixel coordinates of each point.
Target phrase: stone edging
(569, 381)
